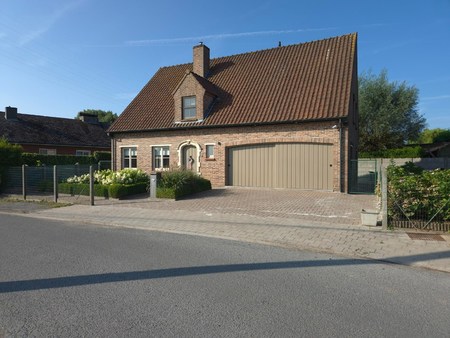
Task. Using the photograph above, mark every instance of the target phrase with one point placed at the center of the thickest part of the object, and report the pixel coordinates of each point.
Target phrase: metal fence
(38, 182)
(362, 176)
(411, 209)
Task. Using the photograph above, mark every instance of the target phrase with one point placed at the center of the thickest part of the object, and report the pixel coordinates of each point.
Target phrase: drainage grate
(425, 237)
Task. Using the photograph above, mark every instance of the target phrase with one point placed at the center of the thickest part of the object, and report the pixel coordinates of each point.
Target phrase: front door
(189, 158)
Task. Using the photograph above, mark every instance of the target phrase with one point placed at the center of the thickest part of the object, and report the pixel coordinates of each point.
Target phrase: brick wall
(223, 138)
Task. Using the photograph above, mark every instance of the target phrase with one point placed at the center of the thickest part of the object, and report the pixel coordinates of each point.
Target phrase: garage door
(282, 165)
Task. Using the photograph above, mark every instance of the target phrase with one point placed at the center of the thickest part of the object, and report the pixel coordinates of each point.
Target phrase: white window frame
(46, 151)
(213, 145)
(161, 158)
(81, 152)
(189, 108)
(130, 157)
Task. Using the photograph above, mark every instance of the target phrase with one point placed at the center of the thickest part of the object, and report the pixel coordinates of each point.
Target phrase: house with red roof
(285, 117)
(48, 135)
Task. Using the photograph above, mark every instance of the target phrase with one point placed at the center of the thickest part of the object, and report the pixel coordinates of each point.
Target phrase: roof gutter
(249, 124)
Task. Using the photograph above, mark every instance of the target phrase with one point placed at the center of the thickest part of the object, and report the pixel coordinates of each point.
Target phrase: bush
(10, 154)
(37, 159)
(178, 183)
(406, 152)
(108, 191)
(419, 193)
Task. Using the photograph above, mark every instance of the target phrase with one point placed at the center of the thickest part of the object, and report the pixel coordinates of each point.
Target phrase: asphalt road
(72, 280)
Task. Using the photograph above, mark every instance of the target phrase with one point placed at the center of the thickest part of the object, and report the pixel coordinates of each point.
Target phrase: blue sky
(58, 57)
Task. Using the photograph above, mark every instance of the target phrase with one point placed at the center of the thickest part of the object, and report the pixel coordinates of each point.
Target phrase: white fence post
(55, 184)
(91, 184)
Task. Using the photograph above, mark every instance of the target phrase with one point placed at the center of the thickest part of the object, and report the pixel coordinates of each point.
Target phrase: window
(189, 111)
(82, 153)
(129, 157)
(161, 157)
(43, 151)
(209, 150)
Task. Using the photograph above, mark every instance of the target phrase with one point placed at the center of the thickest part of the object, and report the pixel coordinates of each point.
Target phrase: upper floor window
(129, 157)
(161, 157)
(189, 108)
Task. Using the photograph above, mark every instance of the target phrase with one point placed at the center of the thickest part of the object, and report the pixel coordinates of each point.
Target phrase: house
(284, 117)
(53, 135)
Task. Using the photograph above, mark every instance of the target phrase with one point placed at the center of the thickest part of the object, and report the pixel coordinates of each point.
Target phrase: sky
(59, 57)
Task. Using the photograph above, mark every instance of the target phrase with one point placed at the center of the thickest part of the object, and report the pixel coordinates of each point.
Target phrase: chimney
(201, 60)
(89, 118)
(11, 113)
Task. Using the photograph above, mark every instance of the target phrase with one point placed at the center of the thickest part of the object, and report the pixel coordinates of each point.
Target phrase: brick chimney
(11, 113)
(89, 118)
(201, 60)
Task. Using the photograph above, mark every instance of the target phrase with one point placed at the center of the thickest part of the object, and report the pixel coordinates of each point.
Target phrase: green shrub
(406, 152)
(100, 190)
(102, 156)
(37, 159)
(10, 154)
(177, 183)
(419, 193)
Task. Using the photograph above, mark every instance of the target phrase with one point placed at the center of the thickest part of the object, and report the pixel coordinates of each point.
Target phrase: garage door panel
(282, 165)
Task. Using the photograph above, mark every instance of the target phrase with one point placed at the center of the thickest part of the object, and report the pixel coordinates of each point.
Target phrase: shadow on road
(62, 282)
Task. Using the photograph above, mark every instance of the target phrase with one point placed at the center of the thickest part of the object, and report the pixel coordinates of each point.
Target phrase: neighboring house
(53, 135)
(284, 117)
(437, 149)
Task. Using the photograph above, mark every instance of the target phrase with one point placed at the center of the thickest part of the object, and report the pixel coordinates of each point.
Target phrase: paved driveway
(316, 206)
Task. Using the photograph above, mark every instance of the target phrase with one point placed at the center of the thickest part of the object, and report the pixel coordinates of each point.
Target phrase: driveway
(316, 206)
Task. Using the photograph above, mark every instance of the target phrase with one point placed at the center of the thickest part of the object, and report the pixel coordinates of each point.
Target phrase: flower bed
(107, 183)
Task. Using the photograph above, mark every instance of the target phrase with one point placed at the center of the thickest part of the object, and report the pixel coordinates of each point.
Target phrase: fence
(38, 182)
(410, 208)
(362, 176)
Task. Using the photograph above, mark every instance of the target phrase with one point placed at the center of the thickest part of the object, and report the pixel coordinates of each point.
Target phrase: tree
(103, 116)
(388, 111)
(434, 135)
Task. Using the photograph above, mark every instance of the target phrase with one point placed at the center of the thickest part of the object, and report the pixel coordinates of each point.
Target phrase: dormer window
(189, 108)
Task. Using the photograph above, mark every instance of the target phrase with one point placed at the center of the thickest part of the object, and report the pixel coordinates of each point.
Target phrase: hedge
(32, 159)
(406, 152)
(10, 154)
(175, 184)
(108, 191)
(420, 193)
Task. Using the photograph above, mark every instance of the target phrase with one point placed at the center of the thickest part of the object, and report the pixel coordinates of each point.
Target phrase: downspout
(113, 153)
(342, 158)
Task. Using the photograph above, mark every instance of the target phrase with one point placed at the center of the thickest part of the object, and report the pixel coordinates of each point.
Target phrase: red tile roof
(308, 81)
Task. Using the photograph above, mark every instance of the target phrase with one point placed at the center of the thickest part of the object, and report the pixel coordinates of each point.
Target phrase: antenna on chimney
(201, 43)
(279, 43)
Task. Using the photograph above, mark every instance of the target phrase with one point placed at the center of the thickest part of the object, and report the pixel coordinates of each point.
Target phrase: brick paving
(311, 220)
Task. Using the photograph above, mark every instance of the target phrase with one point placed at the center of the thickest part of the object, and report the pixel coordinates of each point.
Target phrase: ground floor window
(209, 151)
(161, 157)
(129, 157)
(43, 151)
(82, 153)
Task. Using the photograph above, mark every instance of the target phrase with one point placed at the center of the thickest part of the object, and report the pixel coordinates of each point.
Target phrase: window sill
(210, 159)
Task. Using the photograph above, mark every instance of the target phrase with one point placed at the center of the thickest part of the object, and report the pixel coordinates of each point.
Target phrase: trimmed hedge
(34, 159)
(406, 152)
(108, 191)
(175, 184)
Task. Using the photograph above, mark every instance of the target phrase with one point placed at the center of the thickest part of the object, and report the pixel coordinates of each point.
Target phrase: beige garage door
(282, 165)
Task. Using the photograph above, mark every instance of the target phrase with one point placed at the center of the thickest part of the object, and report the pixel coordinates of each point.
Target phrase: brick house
(284, 117)
(54, 135)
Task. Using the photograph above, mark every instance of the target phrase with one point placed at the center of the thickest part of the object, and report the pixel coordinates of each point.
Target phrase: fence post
(91, 184)
(384, 197)
(55, 184)
(24, 181)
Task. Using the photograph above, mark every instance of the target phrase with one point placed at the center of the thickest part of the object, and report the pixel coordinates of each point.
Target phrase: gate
(362, 176)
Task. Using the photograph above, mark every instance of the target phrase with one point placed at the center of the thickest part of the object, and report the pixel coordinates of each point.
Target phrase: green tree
(434, 135)
(103, 116)
(388, 111)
